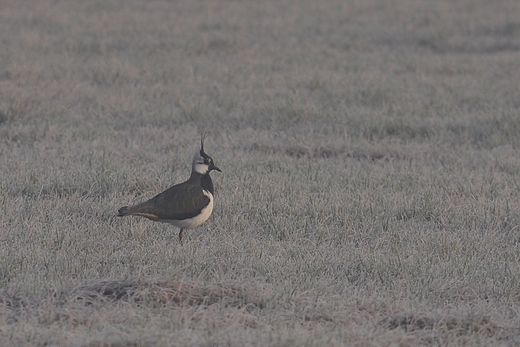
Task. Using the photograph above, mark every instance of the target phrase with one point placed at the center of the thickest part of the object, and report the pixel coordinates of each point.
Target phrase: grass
(369, 193)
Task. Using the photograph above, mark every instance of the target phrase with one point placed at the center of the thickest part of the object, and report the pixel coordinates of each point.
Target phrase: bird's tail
(122, 211)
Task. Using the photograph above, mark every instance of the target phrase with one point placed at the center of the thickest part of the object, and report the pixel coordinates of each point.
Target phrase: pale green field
(370, 186)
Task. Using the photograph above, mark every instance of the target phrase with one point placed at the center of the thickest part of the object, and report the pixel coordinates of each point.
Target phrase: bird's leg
(180, 236)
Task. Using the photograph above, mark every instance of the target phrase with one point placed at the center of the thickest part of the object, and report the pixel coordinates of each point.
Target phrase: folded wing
(176, 203)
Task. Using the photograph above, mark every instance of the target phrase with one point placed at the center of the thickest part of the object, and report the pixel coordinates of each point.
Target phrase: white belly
(197, 220)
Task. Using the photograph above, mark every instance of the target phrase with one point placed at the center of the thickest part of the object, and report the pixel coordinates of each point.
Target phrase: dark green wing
(178, 202)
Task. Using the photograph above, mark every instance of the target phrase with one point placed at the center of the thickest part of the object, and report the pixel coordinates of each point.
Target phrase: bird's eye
(207, 161)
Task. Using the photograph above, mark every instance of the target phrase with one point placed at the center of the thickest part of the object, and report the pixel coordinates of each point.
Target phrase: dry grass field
(371, 172)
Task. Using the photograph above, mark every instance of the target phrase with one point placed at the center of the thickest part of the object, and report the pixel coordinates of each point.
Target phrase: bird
(185, 205)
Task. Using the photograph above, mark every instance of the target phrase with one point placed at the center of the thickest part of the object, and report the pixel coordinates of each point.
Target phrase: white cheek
(201, 168)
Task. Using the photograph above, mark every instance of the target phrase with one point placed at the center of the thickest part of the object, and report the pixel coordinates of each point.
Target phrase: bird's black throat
(207, 183)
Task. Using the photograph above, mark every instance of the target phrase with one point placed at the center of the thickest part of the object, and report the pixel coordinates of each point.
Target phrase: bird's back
(182, 201)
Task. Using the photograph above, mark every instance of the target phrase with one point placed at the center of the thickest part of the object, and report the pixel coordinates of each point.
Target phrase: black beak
(213, 167)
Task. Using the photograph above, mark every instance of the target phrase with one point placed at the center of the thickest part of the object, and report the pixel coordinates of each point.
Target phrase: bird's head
(203, 163)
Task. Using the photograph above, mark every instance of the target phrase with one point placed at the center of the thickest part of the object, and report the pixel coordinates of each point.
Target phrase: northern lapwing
(185, 205)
